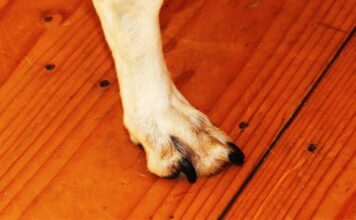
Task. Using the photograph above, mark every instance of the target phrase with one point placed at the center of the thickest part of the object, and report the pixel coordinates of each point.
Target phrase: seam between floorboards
(288, 123)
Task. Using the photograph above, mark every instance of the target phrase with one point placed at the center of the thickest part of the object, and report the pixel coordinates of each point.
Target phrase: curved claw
(188, 169)
(236, 156)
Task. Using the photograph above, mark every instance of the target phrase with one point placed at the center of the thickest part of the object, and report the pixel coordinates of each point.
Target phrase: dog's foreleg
(176, 137)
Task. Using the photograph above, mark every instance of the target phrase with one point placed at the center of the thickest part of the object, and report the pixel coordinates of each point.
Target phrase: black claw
(188, 169)
(236, 156)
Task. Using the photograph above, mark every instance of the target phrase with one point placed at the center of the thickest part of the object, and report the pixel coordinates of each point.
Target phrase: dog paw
(179, 139)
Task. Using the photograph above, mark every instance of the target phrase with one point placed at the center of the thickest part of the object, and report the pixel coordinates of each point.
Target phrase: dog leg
(176, 137)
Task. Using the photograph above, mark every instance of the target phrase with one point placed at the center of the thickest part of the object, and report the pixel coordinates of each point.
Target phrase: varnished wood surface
(314, 162)
(64, 153)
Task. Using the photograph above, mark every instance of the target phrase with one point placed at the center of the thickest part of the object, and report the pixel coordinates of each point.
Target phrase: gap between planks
(288, 124)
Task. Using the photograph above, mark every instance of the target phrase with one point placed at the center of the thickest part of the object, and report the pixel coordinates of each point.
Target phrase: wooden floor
(279, 76)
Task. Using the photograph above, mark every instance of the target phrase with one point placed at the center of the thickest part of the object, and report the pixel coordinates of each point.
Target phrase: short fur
(175, 136)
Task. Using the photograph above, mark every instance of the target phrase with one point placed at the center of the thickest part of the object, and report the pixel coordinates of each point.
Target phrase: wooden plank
(297, 182)
(299, 53)
(21, 25)
(63, 150)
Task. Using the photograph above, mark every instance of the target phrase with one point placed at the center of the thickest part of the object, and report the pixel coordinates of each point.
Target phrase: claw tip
(236, 156)
(188, 169)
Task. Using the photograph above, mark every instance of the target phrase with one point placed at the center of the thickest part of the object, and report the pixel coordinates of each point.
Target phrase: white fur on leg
(155, 113)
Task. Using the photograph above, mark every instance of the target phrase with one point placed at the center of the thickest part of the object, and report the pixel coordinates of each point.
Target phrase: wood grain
(297, 183)
(22, 24)
(64, 153)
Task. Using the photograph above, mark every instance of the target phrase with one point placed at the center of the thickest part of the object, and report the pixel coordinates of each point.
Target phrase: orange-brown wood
(21, 27)
(64, 153)
(297, 182)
